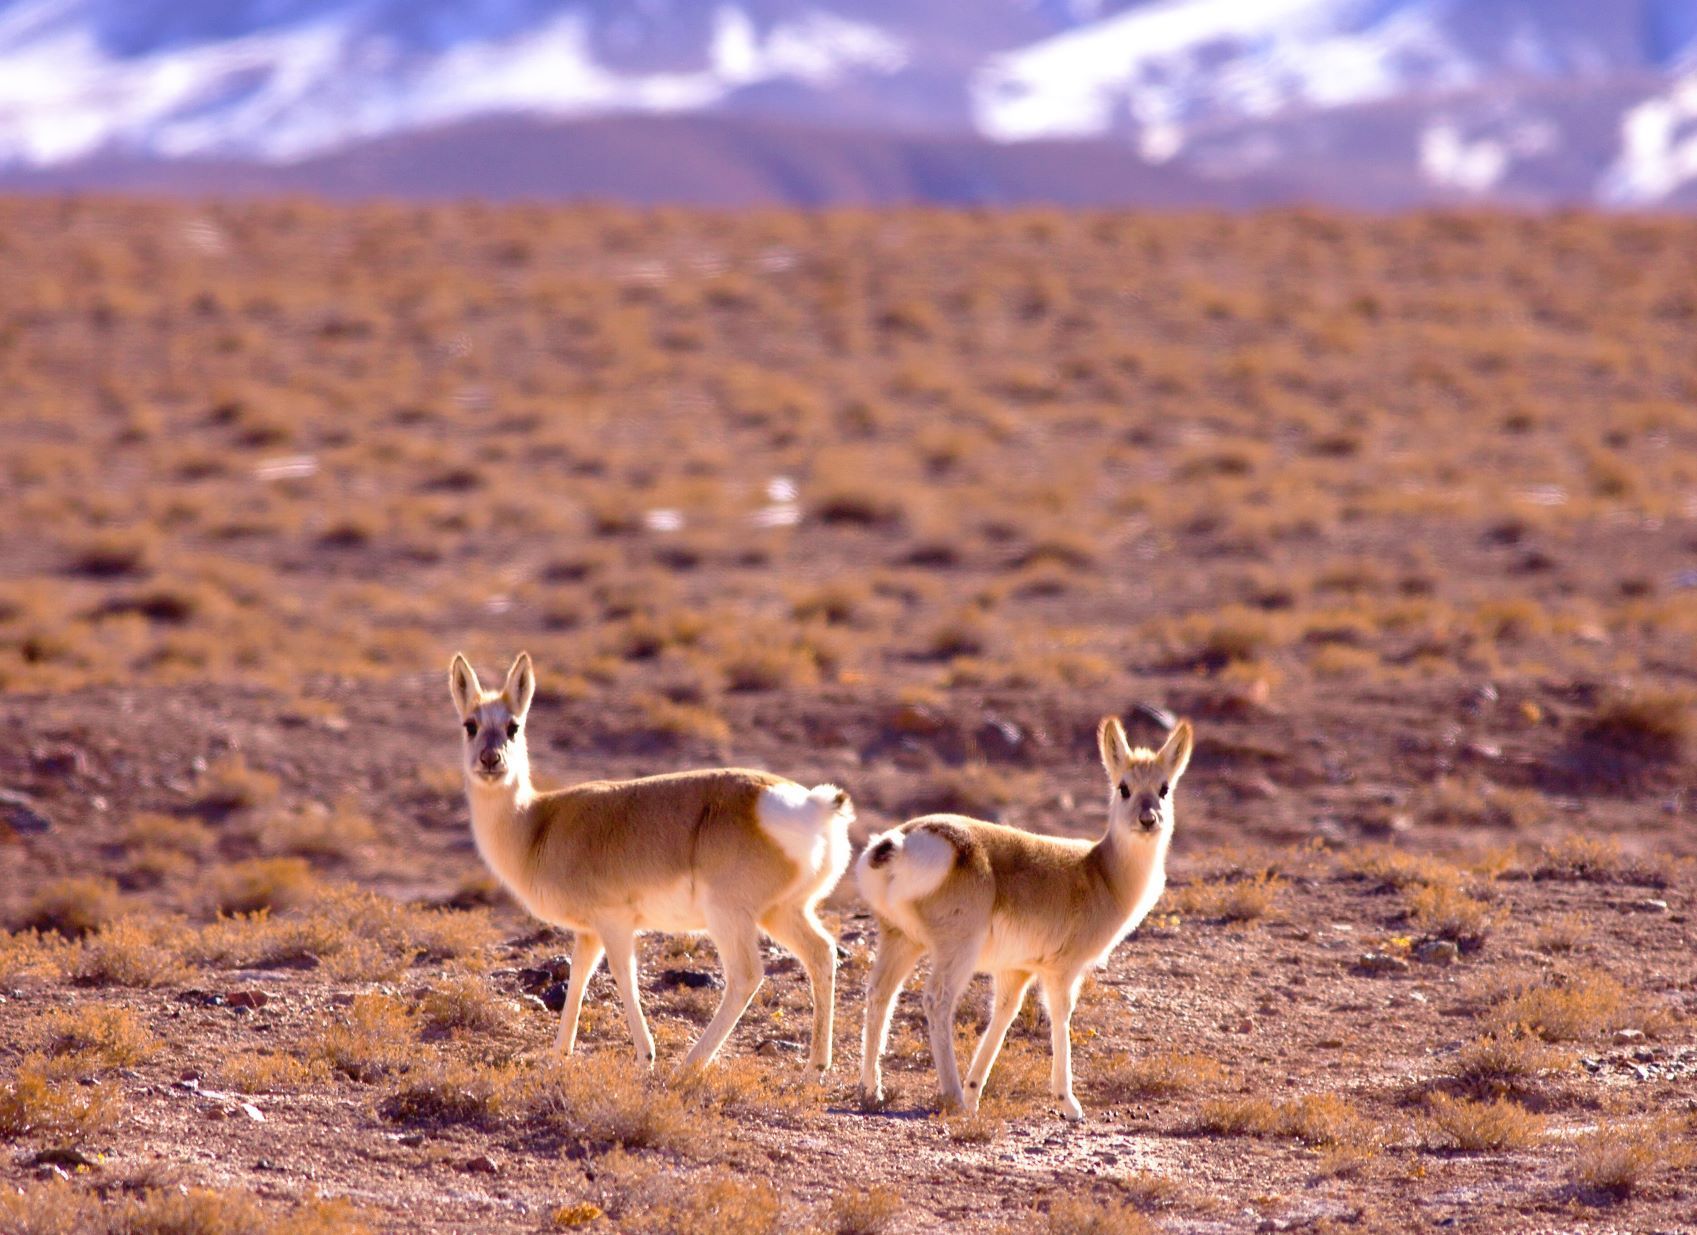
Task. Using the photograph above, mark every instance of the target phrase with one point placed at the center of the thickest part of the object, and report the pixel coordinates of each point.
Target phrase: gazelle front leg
(1061, 994)
(586, 955)
(897, 955)
(1010, 993)
(621, 959)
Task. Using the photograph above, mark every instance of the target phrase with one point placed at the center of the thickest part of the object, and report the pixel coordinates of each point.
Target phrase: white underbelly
(672, 906)
(1013, 944)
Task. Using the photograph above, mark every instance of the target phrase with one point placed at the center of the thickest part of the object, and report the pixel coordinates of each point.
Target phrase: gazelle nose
(490, 758)
(1148, 818)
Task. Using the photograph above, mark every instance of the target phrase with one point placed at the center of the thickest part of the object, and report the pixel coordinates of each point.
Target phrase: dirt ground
(1402, 513)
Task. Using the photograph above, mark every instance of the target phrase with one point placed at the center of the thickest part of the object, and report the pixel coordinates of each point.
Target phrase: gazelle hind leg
(1010, 988)
(950, 972)
(738, 943)
(586, 955)
(897, 955)
(621, 959)
(795, 928)
(1061, 996)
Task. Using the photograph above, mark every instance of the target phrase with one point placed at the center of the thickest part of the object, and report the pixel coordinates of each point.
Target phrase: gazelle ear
(462, 681)
(1110, 739)
(520, 687)
(1175, 755)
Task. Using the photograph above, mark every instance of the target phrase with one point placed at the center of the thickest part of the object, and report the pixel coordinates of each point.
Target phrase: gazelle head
(495, 753)
(1141, 781)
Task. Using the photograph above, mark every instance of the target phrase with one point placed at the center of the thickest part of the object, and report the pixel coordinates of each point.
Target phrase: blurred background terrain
(1362, 103)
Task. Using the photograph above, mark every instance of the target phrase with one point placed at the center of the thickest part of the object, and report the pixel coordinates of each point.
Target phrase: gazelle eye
(1125, 790)
(512, 728)
(471, 728)
(1163, 789)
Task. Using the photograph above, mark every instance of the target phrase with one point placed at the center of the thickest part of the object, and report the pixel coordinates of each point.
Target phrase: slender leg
(1061, 994)
(1011, 986)
(897, 955)
(795, 928)
(950, 973)
(621, 959)
(586, 955)
(738, 943)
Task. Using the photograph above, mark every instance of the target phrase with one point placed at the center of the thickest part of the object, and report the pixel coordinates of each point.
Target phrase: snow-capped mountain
(1378, 102)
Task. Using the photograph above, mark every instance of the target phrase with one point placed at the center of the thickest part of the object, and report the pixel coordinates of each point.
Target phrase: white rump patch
(807, 824)
(917, 868)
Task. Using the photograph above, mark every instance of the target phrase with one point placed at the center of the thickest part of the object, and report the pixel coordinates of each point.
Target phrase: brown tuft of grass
(39, 1100)
(463, 1004)
(269, 1072)
(231, 785)
(1481, 1127)
(1616, 1162)
(1233, 899)
(133, 951)
(448, 1091)
(1653, 726)
(60, 1207)
(609, 1101)
(865, 1211)
(262, 883)
(978, 1128)
(1079, 1215)
(101, 1036)
(73, 905)
(724, 1202)
(1498, 1063)
(1572, 1007)
(1447, 912)
(373, 1037)
(112, 555)
(1162, 1075)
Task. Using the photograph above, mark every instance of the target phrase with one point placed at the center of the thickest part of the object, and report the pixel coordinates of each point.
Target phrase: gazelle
(982, 898)
(730, 852)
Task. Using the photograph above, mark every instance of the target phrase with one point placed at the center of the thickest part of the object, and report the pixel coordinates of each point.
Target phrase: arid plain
(1400, 512)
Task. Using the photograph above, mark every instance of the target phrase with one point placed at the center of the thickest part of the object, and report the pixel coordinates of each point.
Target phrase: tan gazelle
(728, 851)
(982, 898)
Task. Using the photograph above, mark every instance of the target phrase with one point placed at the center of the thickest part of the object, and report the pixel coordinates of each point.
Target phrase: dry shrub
(112, 555)
(61, 1208)
(102, 1037)
(463, 1004)
(747, 1085)
(231, 785)
(755, 667)
(1615, 1162)
(978, 1128)
(1651, 726)
(723, 1202)
(134, 951)
(1498, 1063)
(39, 1100)
(268, 1072)
(1170, 1072)
(262, 883)
(696, 722)
(1327, 1121)
(30, 954)
(1568, 1008)
(1238, 1117)
(72, 906)
(865, 1211)
(1584, 858)
(1473, 1126)
(611, 1102)
(445, 1091)
(370, 1039)
(1244, 899)
(1400, 868)
(316, 833)
(1078, 1215)
(1447, 912)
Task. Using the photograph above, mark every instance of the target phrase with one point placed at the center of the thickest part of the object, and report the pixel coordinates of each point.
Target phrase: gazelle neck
(1134, 868)
(499, 820)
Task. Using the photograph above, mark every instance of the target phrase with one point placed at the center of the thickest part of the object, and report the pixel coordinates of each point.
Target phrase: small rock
(247, 999)
(1649, 905)
(57, 761)
(554, 997)
(1156, 713)
(204, 999)
(533, 1003)
(1488, 751)
(775, 1046)
(23, 814)
(1480, 697)
(1437, 952)
(264, 1164)
(1624, 1036)
(694, 979)
(483, 1164)
(534, 981)
(412, 1140)
(999, 740)
(63, 1156)
(1380, 963)
(915, 718)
